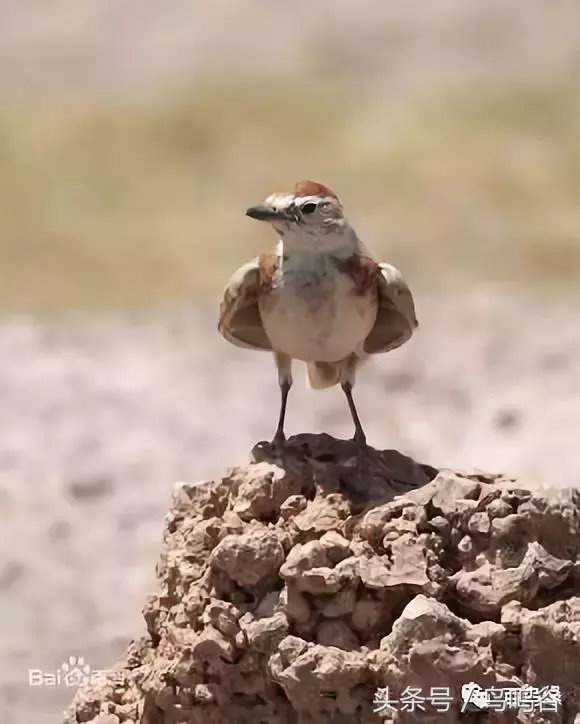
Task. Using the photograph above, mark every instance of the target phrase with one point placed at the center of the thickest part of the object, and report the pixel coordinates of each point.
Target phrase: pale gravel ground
(100, 417)
(109, 47)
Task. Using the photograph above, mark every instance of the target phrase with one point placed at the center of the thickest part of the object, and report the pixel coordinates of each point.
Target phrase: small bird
(320, 297)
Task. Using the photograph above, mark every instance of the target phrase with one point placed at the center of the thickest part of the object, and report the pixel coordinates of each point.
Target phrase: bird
(319, 297)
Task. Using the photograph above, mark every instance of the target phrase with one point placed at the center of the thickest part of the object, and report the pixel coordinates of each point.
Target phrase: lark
(319, 297)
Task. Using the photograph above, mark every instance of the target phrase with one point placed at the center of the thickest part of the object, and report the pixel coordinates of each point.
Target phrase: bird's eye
(308, 208)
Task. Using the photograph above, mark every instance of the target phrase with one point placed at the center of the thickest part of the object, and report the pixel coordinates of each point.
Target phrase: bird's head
(310, 209)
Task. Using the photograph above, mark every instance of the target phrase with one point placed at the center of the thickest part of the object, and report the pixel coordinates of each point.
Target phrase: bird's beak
(263, 212)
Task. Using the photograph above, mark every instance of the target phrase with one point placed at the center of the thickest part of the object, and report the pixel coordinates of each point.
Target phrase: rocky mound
(290, 593)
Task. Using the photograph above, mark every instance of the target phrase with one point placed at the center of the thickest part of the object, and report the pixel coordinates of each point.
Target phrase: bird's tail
(322, 374)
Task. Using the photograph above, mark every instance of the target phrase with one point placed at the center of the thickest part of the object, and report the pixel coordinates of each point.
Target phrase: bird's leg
(279, 437)
(284, 365)
(359, 434)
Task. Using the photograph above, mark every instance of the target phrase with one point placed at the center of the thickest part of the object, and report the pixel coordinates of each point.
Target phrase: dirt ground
(100, 417)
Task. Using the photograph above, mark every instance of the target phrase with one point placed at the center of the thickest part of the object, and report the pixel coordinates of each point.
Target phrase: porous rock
(290, 591)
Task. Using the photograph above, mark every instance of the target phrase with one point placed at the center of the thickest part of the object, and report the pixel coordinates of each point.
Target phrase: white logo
(74, 672)
(473, 694)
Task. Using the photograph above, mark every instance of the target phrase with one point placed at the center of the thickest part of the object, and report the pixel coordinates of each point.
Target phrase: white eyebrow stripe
(307, 200)
(279, 200)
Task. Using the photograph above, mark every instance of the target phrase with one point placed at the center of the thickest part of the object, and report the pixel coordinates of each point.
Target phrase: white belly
(315, 316)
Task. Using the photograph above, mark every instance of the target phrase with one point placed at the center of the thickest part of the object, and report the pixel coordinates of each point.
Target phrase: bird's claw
(361, 455)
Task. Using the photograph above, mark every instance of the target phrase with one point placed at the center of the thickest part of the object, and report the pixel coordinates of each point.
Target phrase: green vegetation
(119, 206)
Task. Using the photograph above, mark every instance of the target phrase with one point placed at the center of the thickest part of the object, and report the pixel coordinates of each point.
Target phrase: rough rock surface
(291, 590)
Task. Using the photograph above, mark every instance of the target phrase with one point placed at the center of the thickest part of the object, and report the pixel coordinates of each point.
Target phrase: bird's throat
(306, 248)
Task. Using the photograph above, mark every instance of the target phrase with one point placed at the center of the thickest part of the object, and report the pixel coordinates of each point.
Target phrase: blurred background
(133, 135)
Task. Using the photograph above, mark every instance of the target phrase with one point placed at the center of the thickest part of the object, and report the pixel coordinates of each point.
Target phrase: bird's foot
(362, 459)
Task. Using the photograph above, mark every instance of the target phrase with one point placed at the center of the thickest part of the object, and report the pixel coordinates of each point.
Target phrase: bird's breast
(313, 311)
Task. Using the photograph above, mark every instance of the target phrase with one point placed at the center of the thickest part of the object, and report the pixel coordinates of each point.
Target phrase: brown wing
(396, 318)
(240, 321)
